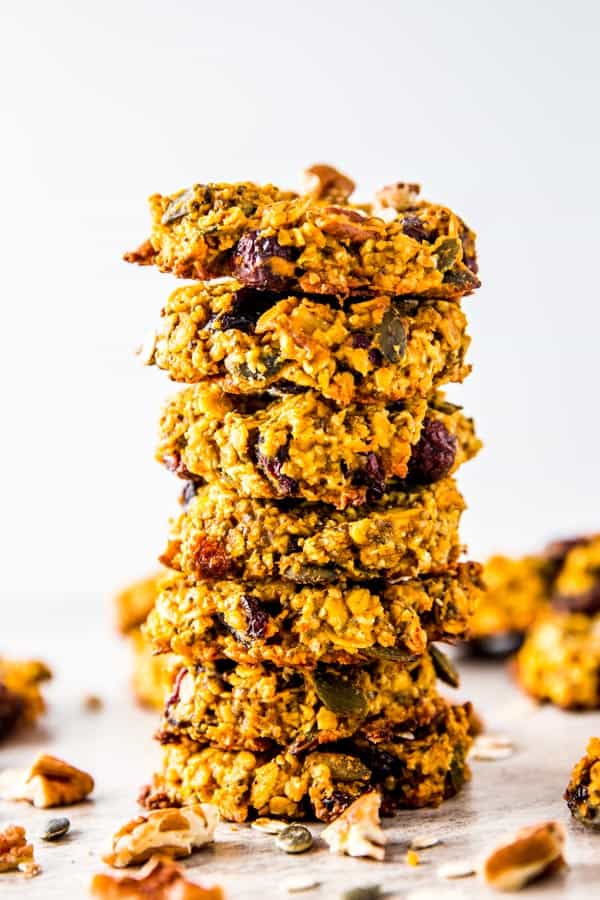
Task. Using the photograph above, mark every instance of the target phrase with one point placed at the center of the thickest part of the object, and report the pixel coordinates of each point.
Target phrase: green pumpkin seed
(341, 697)
(456, 772)
(367, 892)
(392, 337)
(311, 574)
(462, 277)
(271, 363)
(294, 839)
(56, 829)
(447, 408)
(178, 207)
(341, 766)
(447, 253)
(395, 653)
(444, 669)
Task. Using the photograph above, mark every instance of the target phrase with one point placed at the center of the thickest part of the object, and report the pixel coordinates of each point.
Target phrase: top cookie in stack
(316, 556)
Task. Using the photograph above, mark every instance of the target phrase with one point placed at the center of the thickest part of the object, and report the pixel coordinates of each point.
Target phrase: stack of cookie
(316, 557)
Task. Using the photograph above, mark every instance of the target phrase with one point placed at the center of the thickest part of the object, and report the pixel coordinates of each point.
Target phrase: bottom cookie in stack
(411, 767)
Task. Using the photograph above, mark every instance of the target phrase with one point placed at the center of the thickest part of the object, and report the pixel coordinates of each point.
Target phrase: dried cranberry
(413, 227)
(251, 261)
(381, 763)
(578, 795)
(210, 560)
(11, 707)
(163, 736)
(557, 551)
(434, 454)
(256, 618)
(361, 340)
(375, 357)
(272, 466)
(248, 307)
(174, 463)
(372, 475)
(587, 602)
(173, 699)
(283, 386)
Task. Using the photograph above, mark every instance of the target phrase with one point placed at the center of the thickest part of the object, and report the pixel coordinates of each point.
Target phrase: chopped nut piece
(399, 196)
(146, 350)
(357, 832)
(174, 832)
(532, 853)
(15, 853)
(323, 182)
(49, 782)
(160, 879)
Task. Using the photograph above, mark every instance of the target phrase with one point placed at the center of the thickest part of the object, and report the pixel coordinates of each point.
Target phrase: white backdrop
(493, 107)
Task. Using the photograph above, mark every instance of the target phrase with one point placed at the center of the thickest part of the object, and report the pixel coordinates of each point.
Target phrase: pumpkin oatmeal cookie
(254, 707)
(316, 243)
(412, 769)
(382, 348)
(21, 701)
(404, 533)
(152, 675)
(564, 575)
(516, 592)
(560, 660)
(301, 446)
(583, 791)
(576, 587)
(295, 625)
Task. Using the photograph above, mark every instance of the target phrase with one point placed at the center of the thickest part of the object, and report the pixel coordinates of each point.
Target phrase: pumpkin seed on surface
(294, 839)
(56, 829)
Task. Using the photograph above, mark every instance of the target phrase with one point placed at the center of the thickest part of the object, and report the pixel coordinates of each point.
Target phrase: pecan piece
(174, 832)
(15, 853)
(49, 782)
(159, 879)
(532, 853)
(357, 832)
(323, 182)
(400, 196)
(348, 224)
(143, 256)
